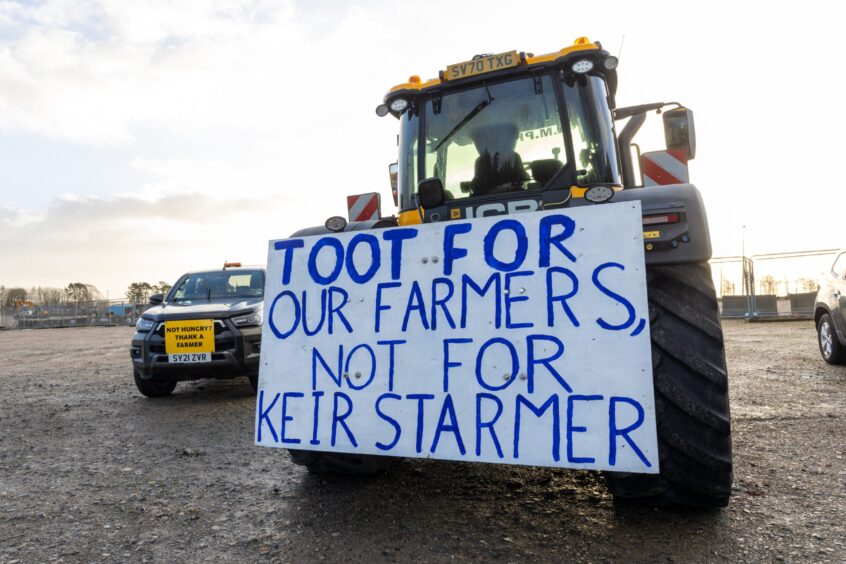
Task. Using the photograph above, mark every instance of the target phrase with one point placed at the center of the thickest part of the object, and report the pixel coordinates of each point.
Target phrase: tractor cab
(509, 132)
(506, 132)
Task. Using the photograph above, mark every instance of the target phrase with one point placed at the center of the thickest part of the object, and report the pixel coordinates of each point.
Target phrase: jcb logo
(516, 206)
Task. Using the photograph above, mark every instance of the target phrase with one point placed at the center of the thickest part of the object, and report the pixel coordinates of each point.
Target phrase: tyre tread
(691, 395)
(838, 352)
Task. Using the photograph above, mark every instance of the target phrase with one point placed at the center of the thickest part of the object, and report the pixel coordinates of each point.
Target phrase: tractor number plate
(482, 65)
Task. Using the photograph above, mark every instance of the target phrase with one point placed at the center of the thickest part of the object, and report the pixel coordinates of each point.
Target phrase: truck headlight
(144, 324)
(247, 320)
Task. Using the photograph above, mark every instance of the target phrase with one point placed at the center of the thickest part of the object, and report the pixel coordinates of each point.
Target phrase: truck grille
(223, 339)
(219, 327)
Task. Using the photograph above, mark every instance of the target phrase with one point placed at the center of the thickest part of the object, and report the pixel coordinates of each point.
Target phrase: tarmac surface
(92, 471)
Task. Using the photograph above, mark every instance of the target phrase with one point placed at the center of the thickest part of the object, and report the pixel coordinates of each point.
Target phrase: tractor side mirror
(156, 299)
(430, 193)
(679, 131)
(393, 171)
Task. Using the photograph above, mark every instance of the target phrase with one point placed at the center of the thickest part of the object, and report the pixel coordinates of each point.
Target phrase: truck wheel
(830, 348)
(341, 463)
(253, 381)
(155, 387)
(691, 394)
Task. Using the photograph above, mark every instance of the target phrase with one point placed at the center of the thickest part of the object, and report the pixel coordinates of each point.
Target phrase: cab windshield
(509, 137)
(226, 285)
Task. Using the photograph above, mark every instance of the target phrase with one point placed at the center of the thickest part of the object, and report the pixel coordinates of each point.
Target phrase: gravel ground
(92, 471)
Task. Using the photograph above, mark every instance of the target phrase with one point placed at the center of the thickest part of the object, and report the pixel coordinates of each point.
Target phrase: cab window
(495, 138)
(592, 130)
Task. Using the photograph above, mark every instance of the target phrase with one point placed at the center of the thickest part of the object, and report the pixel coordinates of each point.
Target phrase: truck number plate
(189, 357)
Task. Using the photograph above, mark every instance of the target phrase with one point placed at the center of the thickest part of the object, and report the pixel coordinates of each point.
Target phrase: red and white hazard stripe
(364, 207)
(664, 167)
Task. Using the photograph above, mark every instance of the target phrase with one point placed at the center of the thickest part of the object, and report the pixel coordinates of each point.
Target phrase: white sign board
(510, 339)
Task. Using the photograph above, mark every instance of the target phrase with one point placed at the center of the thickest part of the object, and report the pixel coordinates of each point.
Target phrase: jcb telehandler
(515, 132)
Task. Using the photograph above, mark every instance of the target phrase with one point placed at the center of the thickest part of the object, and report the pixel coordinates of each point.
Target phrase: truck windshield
(219, 285)
(509, 137)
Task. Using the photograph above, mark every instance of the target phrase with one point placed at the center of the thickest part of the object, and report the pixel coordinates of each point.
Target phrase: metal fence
(81, 314)
(770, 286)
(767, 286)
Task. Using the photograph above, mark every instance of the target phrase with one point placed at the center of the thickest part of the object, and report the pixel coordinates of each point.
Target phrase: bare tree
(13, 295)
(52, 296)
(80, 292)
(139, 292)
(769, 285)
(808, 285)
(162, 287)
(726, 287)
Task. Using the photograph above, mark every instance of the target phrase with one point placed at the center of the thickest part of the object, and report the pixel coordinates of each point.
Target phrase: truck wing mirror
(430, 193)
(393, 170)
(156, 299)
(679, 131)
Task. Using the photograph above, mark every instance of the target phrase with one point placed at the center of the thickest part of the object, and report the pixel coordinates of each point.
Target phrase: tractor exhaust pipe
(624, 139)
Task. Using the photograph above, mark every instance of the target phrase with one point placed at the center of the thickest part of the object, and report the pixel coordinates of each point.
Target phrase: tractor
(516, 133)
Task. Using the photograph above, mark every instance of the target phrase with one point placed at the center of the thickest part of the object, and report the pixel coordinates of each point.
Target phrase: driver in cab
(498, 168)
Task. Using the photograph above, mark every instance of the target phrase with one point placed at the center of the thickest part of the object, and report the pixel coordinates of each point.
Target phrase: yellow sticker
(455, 213)
(651, 234)
(189, 336)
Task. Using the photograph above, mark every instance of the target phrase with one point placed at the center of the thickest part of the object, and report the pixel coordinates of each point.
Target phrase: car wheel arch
(819, 311)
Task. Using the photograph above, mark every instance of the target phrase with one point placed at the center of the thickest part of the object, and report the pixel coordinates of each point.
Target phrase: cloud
(90, 72)
(235, 121)
(223, 98)
(112, 242)
(187, 208)
(117, 225)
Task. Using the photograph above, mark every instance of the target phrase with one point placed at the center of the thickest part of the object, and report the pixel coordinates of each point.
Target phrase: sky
(139, 140)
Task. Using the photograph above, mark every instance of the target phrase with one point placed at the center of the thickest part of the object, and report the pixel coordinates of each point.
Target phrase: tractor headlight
(336, 224)
(583, 66)
(253, 318)
(599, 194)
(399, 104)
(144, 324)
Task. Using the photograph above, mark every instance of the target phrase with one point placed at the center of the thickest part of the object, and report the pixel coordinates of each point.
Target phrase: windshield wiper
(473, 113)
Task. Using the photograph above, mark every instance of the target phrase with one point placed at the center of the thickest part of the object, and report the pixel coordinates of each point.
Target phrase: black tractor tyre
(691, 395)
(833, 352)
(340, 463)
(155, 387)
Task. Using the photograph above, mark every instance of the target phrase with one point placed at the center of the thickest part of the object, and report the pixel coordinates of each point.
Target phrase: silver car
(830, 312)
